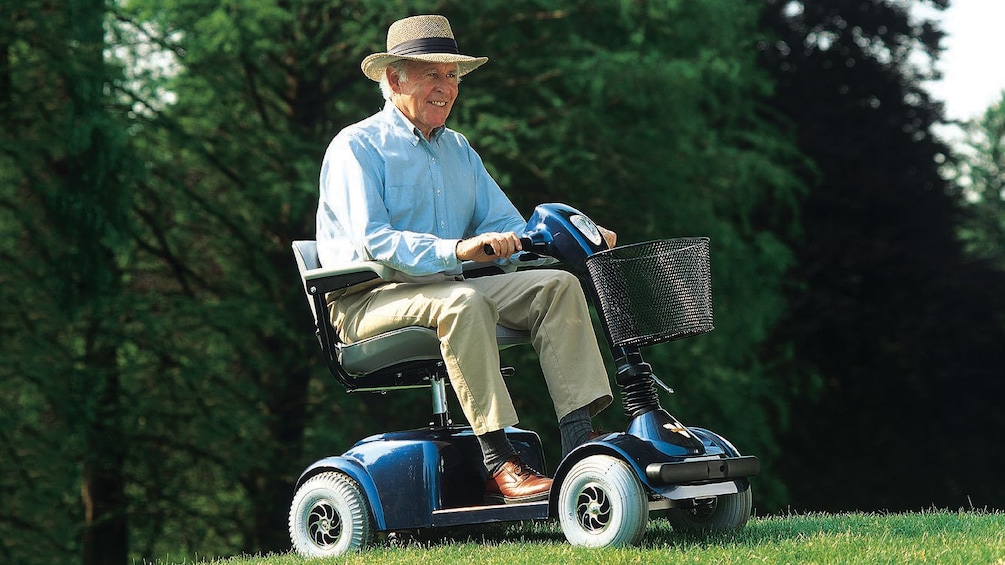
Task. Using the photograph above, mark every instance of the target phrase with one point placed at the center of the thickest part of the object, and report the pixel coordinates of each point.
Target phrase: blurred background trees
(898, 324)
(979, 178)
(161, 390)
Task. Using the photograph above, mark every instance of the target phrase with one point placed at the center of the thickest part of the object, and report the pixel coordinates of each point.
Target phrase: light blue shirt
(389, 195)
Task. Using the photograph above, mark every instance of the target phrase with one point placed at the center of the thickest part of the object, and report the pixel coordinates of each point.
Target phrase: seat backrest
(306, 254)
(402, 359)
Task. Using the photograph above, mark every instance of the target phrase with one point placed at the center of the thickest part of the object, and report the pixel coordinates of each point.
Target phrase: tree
(900, 333)
(979, 172)
(65, 176)
(231, 163)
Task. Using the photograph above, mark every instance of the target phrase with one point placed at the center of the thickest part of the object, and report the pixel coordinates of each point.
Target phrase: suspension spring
(638, 390)
(639, 397)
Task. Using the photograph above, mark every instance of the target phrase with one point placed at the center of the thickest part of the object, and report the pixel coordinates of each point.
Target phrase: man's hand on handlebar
(487, 247)
(494, 245)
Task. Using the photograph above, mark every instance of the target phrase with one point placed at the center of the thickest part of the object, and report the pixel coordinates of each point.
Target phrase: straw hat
(420, 38)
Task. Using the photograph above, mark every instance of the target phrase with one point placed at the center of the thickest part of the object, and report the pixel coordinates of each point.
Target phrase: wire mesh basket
(654, 291)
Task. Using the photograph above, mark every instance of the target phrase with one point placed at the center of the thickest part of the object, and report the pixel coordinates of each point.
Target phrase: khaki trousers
(549, 303)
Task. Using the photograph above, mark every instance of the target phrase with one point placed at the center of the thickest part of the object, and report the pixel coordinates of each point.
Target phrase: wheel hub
(324, 524)
(593, 509)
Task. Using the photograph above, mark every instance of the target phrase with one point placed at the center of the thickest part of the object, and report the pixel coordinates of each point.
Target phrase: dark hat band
(425, 46)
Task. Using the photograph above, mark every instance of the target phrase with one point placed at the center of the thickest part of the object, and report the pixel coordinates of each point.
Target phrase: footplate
(703, 470)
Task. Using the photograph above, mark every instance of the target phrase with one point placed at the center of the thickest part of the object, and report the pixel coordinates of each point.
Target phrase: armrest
(522, 261)
(474, 269)
(327, 279)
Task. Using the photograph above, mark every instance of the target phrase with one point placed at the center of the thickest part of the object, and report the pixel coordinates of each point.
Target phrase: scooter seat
(403, 358)
(405, 345)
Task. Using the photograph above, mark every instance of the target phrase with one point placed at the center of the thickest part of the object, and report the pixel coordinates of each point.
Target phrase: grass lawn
(925, 537)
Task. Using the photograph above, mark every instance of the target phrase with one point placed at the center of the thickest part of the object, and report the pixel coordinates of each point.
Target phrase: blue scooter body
(430, 477)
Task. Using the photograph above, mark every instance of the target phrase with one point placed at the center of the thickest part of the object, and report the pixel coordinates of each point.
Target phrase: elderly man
(401, 188)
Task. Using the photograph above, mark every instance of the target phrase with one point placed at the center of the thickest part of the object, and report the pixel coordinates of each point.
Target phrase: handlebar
(525, 243)
(560, 232)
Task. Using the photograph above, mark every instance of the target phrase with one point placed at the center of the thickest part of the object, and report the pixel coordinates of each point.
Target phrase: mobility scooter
(604, 490)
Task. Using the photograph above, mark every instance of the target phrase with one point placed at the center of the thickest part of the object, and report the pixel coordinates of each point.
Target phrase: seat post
(441, 416)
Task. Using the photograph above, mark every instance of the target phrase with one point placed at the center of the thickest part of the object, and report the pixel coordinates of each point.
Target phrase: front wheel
(329, 516)
(602, 504)
(723, 513)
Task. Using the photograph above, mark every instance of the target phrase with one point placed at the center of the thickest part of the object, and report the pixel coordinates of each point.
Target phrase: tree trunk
(106, 539)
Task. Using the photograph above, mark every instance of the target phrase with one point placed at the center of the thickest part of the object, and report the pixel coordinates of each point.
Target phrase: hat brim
(373, 66)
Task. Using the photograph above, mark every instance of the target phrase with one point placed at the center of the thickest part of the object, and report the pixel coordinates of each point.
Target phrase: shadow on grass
(659, 534)
(538, 531)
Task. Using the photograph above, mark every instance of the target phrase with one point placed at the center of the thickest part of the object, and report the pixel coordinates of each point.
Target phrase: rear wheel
(602, 504)
(329, 516)
(723, 513)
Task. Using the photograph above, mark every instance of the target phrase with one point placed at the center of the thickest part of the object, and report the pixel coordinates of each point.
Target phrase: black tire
(329, 516)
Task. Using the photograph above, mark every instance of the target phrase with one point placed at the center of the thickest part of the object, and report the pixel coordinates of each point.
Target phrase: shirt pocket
(409, 207)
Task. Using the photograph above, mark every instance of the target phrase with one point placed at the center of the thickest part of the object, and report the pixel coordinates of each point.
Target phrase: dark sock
(496, 449)
(575, 428)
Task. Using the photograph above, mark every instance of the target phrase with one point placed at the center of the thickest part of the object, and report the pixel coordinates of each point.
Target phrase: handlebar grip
(525, 244)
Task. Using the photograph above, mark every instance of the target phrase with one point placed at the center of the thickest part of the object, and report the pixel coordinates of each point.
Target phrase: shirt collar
(400, 121)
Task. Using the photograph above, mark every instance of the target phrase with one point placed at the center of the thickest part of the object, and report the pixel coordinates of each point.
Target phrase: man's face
(427, 95)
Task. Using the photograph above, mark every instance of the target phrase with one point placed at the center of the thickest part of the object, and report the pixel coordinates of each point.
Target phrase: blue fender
(710, 438)
(357, 472)
(398, 478)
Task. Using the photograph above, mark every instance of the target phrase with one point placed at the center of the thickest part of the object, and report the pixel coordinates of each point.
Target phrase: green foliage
(979, 171)
(66, 167)
(902, 329)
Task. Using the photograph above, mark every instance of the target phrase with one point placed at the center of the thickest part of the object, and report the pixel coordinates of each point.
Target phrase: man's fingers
(492, 245)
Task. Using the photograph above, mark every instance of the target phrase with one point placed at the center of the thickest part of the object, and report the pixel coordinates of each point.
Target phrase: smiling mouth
(437, 103)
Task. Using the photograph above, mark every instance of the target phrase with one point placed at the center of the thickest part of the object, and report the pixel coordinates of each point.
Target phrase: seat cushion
(405, 345)
(412, 343)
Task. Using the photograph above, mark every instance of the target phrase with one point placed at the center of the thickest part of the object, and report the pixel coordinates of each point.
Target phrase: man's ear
(392, 80)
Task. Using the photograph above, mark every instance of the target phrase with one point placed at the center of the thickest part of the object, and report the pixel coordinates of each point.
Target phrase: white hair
(399, 68)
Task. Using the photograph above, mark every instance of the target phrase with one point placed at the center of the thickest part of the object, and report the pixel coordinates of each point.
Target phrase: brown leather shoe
(515, 482)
